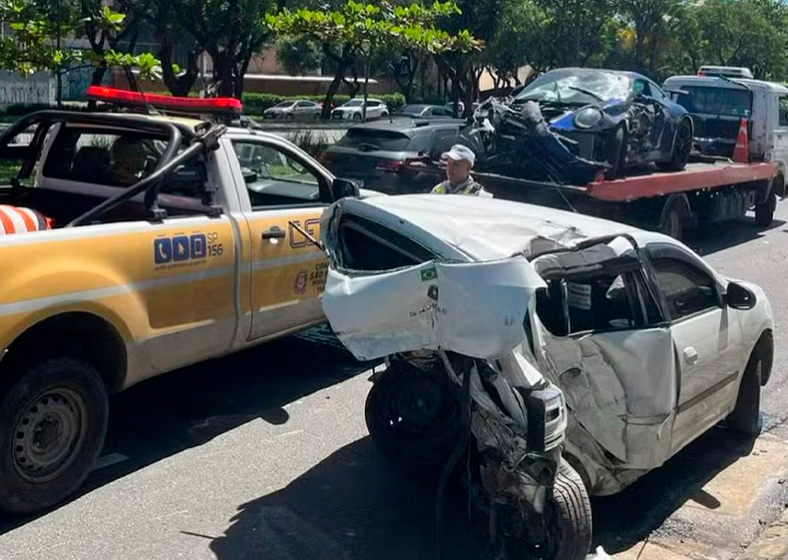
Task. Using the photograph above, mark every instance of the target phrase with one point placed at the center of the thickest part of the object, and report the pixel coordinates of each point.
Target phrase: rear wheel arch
(76, 334)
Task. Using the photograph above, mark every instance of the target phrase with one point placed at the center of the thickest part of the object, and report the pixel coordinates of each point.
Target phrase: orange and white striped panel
(14, 219)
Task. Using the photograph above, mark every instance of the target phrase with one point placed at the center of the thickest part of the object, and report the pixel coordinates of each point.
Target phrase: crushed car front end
(461, 379)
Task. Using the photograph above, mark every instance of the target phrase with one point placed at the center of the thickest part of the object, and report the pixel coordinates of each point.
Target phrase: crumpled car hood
(475, 309)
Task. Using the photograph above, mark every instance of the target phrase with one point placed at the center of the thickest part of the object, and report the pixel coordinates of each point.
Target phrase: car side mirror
(739, 297)
(249, 175)
(344, 188)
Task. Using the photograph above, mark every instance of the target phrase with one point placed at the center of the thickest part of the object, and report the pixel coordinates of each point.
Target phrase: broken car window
(686, 288)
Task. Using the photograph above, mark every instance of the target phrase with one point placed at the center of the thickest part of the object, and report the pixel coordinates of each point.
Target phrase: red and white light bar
(212, 105)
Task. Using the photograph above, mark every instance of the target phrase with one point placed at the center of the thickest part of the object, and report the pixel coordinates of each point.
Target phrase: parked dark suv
(374, 153)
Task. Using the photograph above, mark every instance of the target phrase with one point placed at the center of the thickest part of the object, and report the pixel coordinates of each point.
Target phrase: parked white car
(353, 110)
(300, 109)
(649, 344)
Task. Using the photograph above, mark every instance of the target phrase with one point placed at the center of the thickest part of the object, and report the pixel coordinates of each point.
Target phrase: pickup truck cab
(173, 240)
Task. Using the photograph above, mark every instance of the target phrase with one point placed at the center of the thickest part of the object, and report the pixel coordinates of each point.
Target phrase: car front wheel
(746, 416)
(55, 419)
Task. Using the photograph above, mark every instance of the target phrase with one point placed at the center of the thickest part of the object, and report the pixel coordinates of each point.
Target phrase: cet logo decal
(301, 282)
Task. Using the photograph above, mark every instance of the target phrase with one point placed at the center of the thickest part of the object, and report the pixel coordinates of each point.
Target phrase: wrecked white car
(650, 346)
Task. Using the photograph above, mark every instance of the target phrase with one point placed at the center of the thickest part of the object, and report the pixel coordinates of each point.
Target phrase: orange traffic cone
(741, 153)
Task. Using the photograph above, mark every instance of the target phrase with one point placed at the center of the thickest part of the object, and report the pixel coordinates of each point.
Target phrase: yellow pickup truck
(167, 241)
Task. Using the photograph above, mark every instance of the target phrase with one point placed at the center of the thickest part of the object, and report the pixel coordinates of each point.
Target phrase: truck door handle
(274, 233)
(690, 355)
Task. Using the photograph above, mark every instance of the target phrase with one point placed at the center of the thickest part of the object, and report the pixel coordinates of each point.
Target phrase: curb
(772, 543)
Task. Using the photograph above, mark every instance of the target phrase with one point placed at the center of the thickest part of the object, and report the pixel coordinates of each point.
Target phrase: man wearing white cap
(459, 162)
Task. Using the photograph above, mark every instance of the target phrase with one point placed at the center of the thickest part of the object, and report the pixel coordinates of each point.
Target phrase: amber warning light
(210, 105)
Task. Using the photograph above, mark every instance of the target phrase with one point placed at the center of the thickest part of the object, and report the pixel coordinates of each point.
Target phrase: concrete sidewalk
(772, 543)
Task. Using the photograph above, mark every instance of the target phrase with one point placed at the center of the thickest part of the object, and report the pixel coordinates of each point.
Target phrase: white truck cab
(719, 102)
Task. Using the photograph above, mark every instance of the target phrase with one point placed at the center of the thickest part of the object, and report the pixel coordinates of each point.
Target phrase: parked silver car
(291, 110)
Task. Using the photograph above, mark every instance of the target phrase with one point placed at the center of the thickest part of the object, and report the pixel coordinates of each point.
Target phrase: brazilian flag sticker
(429, 274)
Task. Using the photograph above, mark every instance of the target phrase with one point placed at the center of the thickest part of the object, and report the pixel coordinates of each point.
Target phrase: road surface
(265, 455)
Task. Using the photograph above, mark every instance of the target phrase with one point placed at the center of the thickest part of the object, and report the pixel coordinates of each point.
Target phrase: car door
(283, 194)
(180, 269)
(780, 134)
(707, 339)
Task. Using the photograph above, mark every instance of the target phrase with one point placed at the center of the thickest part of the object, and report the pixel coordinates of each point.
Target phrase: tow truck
(134, 241)
(705, 192)
(738, 164)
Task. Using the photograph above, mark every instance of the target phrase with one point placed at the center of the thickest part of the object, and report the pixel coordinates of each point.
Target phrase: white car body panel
(640, 393)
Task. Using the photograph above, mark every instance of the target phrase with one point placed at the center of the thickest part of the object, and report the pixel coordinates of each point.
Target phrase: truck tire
(682, 148)
(746, 416)
(54, 420)
(568, 518)
(673, 221)
(764, 213)
(413, 418)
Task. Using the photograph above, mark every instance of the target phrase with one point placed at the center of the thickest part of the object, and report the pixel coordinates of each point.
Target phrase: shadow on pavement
(623, 520)
(189, 407)
(718, 237)
(352, 506)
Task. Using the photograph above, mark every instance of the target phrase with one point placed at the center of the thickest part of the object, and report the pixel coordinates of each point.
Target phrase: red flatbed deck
(697, 176)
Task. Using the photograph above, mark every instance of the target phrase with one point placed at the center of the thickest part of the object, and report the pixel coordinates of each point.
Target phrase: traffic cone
(741, 153)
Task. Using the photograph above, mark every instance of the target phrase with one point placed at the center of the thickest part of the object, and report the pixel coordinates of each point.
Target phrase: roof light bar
(214, 105)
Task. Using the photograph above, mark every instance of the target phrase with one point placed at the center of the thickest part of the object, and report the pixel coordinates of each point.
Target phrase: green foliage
(298, 54)
(31, 48)
(312, 142)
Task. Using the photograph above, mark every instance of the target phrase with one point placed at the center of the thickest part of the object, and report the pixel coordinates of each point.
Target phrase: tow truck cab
(718, 100)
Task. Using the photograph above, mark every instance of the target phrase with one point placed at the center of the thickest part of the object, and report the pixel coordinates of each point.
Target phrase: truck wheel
(568, 519)
(413, 417)
(764, 213)
(54, 419)
(681, 149)
(673, 222)
(746, 416)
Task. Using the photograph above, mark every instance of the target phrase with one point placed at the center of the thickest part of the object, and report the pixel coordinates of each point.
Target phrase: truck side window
(784, 111)
(274, 177)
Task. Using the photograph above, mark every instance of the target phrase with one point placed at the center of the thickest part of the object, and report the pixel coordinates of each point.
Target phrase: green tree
(298, 54)
(32, 46)
(382, 27)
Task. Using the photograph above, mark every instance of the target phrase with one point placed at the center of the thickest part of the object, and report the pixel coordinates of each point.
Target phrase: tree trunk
(332, 91)
(224, 74)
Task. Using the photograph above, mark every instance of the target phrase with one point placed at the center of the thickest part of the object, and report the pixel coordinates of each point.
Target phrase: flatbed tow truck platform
(705, 192)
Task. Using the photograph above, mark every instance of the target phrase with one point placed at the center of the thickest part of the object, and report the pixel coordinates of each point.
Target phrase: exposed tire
(55, 419)
(289, 117)
(413, 417)
(682, 148)
(746, 416)
(764, 213)
(569, 522)
(673, 221)
(357, 117)
(617, 152)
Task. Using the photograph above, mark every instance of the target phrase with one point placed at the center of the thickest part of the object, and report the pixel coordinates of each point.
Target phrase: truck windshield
(716, 101)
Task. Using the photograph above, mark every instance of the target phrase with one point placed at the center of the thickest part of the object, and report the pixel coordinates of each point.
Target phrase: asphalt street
(265, 455)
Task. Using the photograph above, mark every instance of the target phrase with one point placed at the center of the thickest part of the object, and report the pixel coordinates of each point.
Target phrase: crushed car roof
(487, 228)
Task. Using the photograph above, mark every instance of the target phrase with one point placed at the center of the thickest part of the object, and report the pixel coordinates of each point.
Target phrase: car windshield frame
(284, 105)
(354, 103)
(566, 87)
